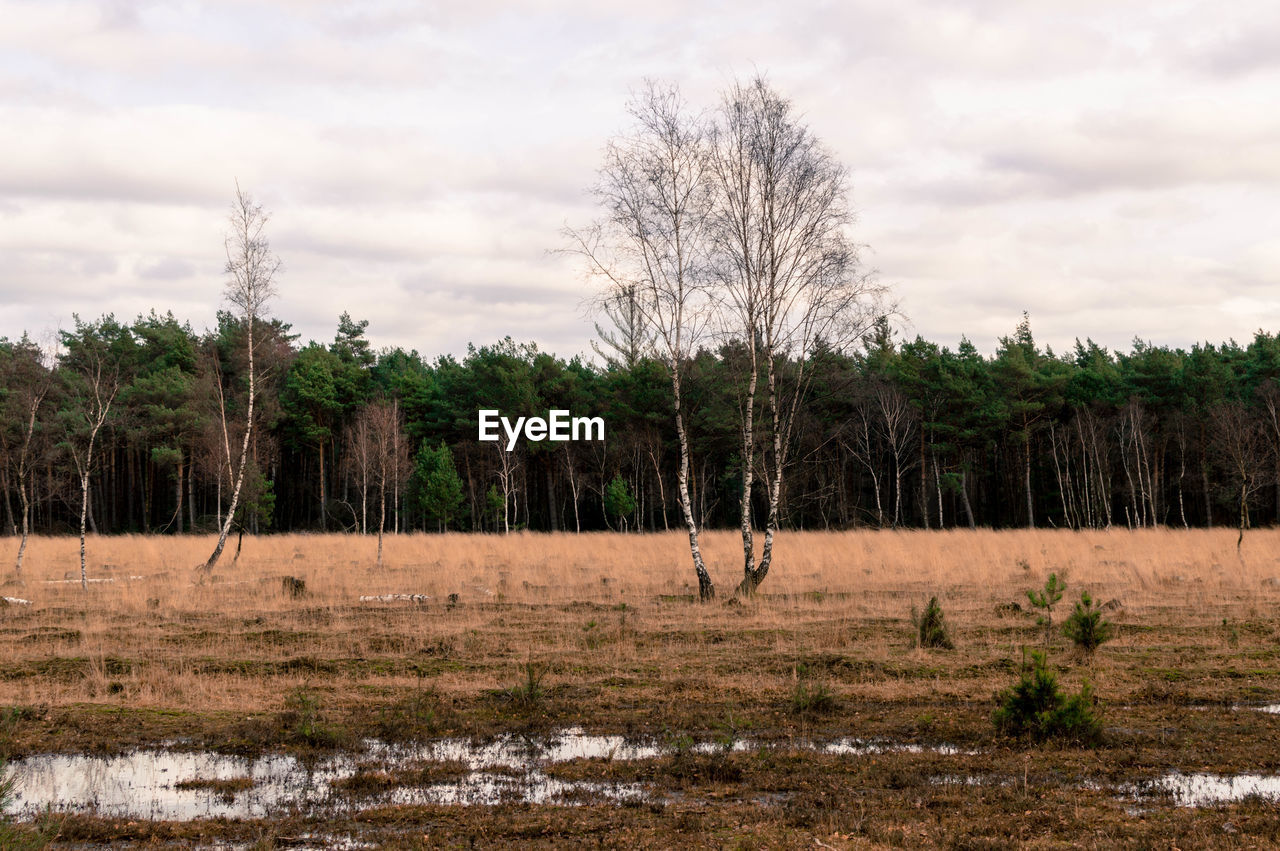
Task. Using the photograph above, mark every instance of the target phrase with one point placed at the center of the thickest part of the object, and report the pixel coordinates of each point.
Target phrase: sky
(1110, 167)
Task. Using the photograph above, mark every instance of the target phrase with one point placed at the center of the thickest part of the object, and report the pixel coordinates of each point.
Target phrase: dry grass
(163, 634)
(1147, 565)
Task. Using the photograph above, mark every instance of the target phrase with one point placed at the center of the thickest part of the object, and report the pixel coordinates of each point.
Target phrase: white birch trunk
(244, 457)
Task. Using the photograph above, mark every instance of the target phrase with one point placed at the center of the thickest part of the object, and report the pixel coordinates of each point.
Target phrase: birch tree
(27, 379)
(92, 376)
(649, 248)
(251, 269)
(787, 274)
(361, 458)
(384, 458)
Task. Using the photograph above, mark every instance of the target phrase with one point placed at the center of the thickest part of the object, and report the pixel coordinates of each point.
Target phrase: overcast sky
(1111, 167)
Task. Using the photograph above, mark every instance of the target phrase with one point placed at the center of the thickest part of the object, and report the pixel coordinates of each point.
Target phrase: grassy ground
(244, 661)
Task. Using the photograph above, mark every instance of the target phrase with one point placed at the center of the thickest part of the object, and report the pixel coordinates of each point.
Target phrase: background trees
(911, 432)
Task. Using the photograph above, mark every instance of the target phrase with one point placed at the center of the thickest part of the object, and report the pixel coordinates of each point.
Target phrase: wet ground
(180, 785)
(173, 784)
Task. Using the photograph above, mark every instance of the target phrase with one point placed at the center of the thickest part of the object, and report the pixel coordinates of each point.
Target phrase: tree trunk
(748, 471)
(573, 490)
(324, 520)
(382, 520)
(964, 496)
(84, 513)
(93, 524)
(191, 495)
(244, 458)
(178, 495)
(662, 493)
(924, 481)
(1031, 512)
(937, 487)
(395, 469)
(26, 527)
(754, 577)
(8, 503)
(706, 589)
(1244, 513)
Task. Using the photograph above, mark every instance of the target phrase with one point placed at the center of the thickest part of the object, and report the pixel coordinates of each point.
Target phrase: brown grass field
(164, 654)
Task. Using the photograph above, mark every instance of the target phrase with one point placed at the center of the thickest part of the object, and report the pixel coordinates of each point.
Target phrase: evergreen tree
(436, 485)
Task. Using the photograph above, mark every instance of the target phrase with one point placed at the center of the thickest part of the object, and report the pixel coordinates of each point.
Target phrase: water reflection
(167, 785)
(1199, 790)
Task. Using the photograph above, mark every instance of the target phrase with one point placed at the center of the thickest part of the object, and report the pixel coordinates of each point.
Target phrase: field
(805, 717)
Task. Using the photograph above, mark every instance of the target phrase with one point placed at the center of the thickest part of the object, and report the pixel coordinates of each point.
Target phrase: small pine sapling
(930, 627)
(1086, 627)
(1046, 599)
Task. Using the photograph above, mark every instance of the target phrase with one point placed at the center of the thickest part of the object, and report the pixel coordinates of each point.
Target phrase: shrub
(930, 627)
(1086, 627)
(528, 694)
(304, 707)
(302, 718)
(1045, 599)
(1035, 706)
(812, 699)
(1232, 634)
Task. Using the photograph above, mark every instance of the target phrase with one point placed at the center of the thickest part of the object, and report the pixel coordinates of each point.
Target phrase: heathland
(277, 652)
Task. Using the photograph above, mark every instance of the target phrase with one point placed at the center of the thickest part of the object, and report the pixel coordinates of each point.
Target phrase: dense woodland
(891, 433)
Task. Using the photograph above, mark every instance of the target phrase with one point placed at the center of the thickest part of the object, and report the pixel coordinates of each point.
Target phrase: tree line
(896, 433)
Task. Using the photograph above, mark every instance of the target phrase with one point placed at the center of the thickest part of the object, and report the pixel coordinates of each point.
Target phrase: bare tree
(27, 379)
(1242, 448)
(362, 459)
(251, 267)
(509, 465)
(383, 461)
(649, 247)
(787, 273)
(897, 422)
(92, 376)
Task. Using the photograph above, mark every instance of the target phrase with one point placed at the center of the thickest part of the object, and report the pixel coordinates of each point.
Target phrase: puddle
(165, 785)
(864, 747)
(1270, 708)
(1200, 790)
(156, 784)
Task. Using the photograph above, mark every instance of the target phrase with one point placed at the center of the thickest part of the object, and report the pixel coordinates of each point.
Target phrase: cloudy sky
(1111, 167)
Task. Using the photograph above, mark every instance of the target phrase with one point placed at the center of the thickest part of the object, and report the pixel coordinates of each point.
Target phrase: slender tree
(251, 269)
(650, 246)
(390, 461)
(26, 382)
(788, 274)
(1242, 448)
(91, 371)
